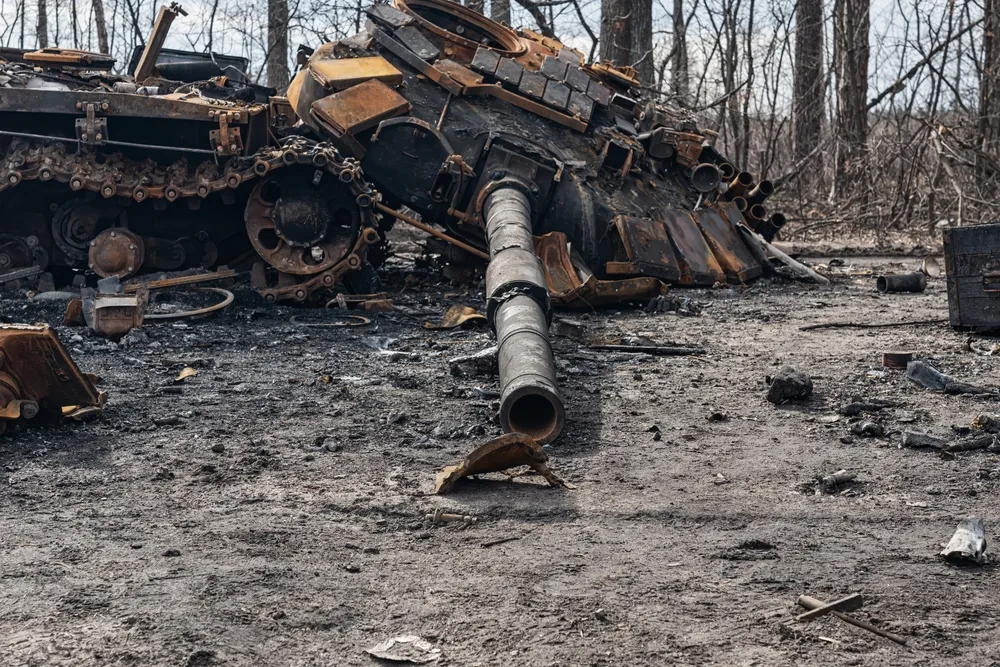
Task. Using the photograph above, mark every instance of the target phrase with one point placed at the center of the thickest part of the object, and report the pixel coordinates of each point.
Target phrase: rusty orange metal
(360, 107)
(37, 376)
(572, 285)
(647, 248)
(718, 226)
(342, 73)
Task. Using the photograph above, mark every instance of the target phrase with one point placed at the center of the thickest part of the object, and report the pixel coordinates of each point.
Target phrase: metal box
(972, 263)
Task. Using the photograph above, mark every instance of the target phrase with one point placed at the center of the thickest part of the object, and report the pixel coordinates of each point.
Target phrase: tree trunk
(681, 82)
(989, 85)
(808, 101)
(476, 5)
(500, 11)
(850, 33)
(627, 36)
(277, 44)
(42, 27)
(102, 27)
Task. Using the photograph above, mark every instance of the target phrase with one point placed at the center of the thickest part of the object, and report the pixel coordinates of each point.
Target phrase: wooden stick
(433, 232)
(813, 603)
(798, 268)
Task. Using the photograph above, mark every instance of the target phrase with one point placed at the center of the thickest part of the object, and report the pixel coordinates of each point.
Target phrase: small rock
(789, 385)
(867, 429)
(169, 420)
(718, 417)
(601, 615)
(218, 448)
(353, 568)
(171, 553)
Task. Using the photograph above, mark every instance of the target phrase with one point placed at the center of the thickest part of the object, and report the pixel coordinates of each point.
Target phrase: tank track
(115, 175)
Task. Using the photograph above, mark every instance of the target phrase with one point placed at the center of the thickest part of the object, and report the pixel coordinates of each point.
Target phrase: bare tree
(102, 26)
(680, 79)
(989, 81)
(627, 35)
(808, 91)
(476, 5)
(277, 44)
(851, 52)
(42, 26)
(500, 11)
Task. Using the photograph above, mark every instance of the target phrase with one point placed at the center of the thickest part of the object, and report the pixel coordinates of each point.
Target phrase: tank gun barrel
(518, 307)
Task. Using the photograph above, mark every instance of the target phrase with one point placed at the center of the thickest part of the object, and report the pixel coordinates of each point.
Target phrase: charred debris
(566, 179)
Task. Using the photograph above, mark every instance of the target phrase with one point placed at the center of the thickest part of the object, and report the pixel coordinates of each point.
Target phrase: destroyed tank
(185, 164)
(566, 176)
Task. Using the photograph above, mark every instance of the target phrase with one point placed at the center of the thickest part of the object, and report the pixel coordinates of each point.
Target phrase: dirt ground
(281, 520)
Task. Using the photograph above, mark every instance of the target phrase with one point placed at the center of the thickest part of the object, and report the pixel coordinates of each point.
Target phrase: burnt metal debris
(574, 185)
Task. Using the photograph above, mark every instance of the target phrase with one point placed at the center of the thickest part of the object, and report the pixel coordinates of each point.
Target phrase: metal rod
(517, 308)
(127, 144)
(813, 603)
(433, 232)
(444, 111)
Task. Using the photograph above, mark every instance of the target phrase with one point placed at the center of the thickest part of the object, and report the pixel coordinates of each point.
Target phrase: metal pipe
(705, 177)
(517, 309)
(727, 170)
(741, 203)
(756, 214)
(739, 185)
(762, 191)
(770, 228)
(904, 282)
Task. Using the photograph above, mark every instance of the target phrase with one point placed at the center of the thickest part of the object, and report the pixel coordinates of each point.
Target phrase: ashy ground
(281, 519)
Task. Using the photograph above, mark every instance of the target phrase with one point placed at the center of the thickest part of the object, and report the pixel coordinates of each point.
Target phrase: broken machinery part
(968, 544)
(904, 282)
(38, 378)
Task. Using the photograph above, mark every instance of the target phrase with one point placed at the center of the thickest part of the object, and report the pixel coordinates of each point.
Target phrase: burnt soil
(281, 519)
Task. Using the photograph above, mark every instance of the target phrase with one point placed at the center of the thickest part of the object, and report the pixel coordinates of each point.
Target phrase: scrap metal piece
(577, 79)
(512, 450)
(852, 602)
(572, 285)
(457, 316)
(737, 260)
(388, 16)
(581, 106)
(812, 603)
(648, 249)
(147, 62)
(359, 107)
(904, 282)
(416, 42)
(37, 376)
(113, 315)
(198, 313)
(405, 648)
(342, 73)
(968, 544)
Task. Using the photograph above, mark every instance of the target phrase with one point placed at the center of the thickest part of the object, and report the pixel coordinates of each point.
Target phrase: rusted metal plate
(554, 68)
(388, 16)
(533, 84)
(557, 95)
(600, 93)
(581, 106)
(486, 61)
(698, 263)
(346, 72)
(360, 107)
(577, 79)
(510, 71)
(460, 73)
(647, 246)
(726, 243)
(415, 41)
(36, 370)
(572, 285)
(68, 58)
